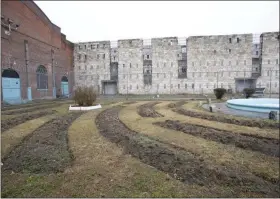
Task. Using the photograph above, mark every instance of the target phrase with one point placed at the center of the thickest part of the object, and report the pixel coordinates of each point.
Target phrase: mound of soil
(26, 110)
(224, 119)
(10, 123)
(147, 110)
(177, 104)
(45, 150)
(180, 164)
(131, 102)
(268, 146)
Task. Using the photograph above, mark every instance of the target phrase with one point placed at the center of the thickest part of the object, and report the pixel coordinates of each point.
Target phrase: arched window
(42, 77)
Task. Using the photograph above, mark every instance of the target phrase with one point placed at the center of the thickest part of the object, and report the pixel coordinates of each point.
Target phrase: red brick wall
(42, 37)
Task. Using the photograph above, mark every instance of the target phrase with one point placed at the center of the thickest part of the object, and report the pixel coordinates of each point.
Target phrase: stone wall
(92, 63)
(130, 68)
(269, 62)
(228, 61)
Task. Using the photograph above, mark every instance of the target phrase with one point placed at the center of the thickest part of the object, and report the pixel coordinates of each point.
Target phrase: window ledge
(42, 89)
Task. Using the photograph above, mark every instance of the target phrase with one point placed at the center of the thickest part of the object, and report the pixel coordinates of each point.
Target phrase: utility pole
(170, 82)
(270, 75)
(217, 79)
(127, 86)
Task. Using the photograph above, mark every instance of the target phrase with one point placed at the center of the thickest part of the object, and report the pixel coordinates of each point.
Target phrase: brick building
(36, 58)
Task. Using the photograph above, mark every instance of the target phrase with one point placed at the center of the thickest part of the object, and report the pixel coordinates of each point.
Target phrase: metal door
(11, 90)
(64, 89)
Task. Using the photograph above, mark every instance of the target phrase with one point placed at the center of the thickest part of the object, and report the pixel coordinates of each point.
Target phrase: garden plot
(116, 152)
(12, 122)
(45, 150)
(147, 110)
(214, 153)
(181, 164)
(268, 146)
(31, 109)
(230, 120)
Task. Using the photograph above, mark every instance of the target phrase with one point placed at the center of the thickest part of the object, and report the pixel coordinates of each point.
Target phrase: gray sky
(111, 20)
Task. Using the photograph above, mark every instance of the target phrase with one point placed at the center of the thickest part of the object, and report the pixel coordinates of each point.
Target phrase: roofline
(46, 18)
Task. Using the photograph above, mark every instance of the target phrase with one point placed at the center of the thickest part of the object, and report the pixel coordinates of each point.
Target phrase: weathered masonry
(36, 58)
(164, 66)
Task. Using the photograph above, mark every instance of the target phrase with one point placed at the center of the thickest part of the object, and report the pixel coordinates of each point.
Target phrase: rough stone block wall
(229, 54)
(92, 63)
(270, 62)
(226, 61)
(165, 65)
(130, 68)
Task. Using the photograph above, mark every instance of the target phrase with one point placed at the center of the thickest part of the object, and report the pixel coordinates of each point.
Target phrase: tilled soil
(268, 146)
(33, 104)
(147, 110)
(180, 164)
(10, 123)
(176, 104)
(36, 108)
(224, 119)
(131, 102)
(45, 150)
(25, 110)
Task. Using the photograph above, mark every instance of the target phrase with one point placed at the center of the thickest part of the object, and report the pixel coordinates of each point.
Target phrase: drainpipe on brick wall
(53, 74)
(26, 50)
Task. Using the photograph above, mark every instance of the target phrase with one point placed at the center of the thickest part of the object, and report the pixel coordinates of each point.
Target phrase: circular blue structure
(262, 105)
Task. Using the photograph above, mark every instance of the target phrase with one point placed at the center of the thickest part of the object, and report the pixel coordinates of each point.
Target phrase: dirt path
(147, 110)
(45, 150)
(268, 146)
(225, 119)
(12, 122)
(180, 164)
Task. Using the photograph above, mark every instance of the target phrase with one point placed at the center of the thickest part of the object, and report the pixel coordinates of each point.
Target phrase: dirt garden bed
(147, 110)
(176, 104)
(180, 164)
(268, 146)
(10, 123)
(34, 103)
(128, 103)
(225, 119)
(45, 150)
(33, 108)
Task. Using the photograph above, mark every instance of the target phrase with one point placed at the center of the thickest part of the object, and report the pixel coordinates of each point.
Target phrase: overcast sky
(96, 20)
